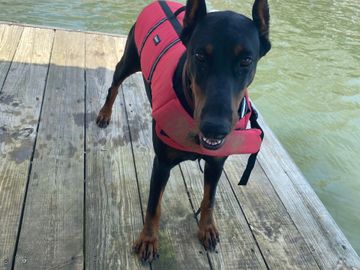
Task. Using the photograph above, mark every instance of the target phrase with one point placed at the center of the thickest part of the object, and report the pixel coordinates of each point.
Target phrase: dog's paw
(103, 118)
(208, 236)
(147, 248)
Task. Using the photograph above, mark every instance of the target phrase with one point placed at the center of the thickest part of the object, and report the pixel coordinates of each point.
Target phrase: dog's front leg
(208, 233)
(147, 244)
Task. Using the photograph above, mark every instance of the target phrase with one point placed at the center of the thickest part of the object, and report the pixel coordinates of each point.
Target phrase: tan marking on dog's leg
(104, 115)
(207, 233)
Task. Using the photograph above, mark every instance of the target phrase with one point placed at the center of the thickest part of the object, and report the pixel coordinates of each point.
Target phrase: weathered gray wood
(51, 235)
(52, 229)
(9, 39)
(281, 244)
(113, 211)
(61, 28)
(237, 248)
(179, 247)
(20, 102)
(330, 247)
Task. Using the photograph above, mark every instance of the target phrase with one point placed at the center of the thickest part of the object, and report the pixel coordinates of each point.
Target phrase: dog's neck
(182, 85)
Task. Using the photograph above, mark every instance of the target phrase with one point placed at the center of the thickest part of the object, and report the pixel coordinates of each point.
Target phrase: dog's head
(223, 49)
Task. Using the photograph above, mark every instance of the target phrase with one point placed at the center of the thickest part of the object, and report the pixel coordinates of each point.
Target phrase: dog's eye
(200, 57)
(246, 62)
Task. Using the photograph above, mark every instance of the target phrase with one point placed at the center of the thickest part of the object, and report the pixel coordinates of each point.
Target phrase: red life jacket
(157, 31)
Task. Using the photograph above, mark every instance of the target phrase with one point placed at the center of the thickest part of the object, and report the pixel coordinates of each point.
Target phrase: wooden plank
(330, 247)
(61, 28)
(113, 212)
(282, 246)
(20, 103)
(237, 248)
(52, 231)
(9, 39)
(179, 247)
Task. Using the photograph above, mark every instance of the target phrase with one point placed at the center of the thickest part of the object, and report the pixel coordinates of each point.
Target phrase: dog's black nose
(215, 128)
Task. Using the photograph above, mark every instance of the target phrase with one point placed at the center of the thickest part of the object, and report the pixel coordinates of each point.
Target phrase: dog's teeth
(212, 142)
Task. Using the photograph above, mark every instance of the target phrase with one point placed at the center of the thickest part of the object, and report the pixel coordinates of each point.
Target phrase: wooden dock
(72, 195)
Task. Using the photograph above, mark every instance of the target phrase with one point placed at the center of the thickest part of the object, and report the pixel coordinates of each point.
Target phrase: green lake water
(307, 87)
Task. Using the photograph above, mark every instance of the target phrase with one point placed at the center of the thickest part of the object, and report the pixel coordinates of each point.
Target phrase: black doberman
(222, 51)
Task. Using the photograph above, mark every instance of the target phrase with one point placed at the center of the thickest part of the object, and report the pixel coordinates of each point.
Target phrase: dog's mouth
(211, 143)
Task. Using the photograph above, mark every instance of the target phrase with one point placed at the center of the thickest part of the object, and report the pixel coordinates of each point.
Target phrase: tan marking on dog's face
(199, 101)
(209, 48)
(237, 50)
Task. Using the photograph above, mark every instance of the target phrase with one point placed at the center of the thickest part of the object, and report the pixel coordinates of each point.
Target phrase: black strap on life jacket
(172, 18)
(252, 159)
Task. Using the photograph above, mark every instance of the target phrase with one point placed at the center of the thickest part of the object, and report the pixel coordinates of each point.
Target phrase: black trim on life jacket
(177, 12)
(149, 33)
(158, 58)
(171, 17)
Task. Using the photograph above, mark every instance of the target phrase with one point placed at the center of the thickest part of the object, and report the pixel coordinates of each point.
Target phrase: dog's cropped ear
(261, 18)
(195, 10)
